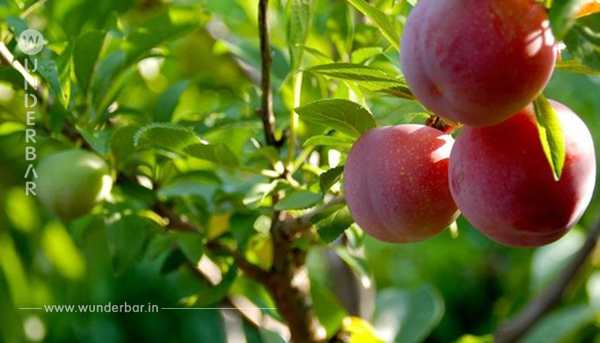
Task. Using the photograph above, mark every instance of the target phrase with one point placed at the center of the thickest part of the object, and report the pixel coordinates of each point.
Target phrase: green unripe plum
(395, 183)
(70, 183)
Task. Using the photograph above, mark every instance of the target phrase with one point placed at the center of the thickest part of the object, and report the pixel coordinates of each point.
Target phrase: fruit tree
(307, 171)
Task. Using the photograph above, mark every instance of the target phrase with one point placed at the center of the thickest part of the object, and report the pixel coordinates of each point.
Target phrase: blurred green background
(198, 60)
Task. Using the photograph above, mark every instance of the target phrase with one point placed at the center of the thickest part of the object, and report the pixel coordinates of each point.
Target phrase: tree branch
(516, 328)
(290, 287)
(250, 269)
(176, 222)
(266, 111)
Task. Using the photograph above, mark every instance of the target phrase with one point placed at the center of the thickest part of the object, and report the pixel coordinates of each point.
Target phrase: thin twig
(250, 269)
(179, 223)
(266, 111)
(292, 227)
(176, 222)
(516, 328)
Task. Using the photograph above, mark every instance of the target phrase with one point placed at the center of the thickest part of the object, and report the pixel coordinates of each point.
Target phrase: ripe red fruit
(396, 183)
(503, 184)
(477, 61)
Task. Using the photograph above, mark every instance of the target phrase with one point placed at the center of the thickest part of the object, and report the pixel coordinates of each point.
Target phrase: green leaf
(328, 141)
(366, 76)
(316, 53)
(551, 135)
(562, 15)
(165, 136)
(99, 140)
(168, 100)
(359, 265)
(122, 142)
(300, 13)
(363, 54)
(583, 42)
(235, 135)
(413, 313)
(216, 153)
(328, 308)
(330, 177)
(548, 261)
(210, 296)
(474, 339)
(192, 245)
(343, 115)
(268, 336)
(575, 66)
(65, 67)
(561, 325)
(298, 201)
(168, 25)
(381, 21)
(126, 240)
(48, 69)
(173, 261)
(9, 74)
(360, 331)
(85, 55)
(333, 226)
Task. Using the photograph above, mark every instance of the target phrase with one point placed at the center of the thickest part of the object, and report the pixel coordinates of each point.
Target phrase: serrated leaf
(381, 21)
(216, 153)
(343, 115)
(562, 16)
(369, 77)
(413, 314)
(165, 136)
(85, 55)
(168, 100)
(333, 226)
(328, 141)
(330, 177)
(575, 66)
(298, 201)
(551, 135)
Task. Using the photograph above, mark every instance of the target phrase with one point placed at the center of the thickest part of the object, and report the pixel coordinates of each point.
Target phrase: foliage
(167, 92)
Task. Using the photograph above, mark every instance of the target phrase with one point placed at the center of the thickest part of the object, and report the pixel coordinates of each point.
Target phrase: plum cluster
(480, 63)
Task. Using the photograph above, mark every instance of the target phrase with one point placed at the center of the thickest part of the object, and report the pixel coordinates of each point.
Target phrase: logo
(31, 41)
